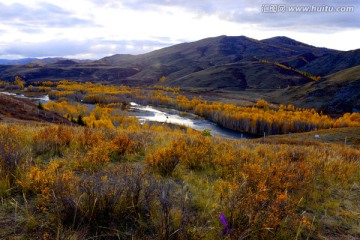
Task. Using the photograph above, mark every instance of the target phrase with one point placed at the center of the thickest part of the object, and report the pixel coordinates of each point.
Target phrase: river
(43, 99)
(148, 113)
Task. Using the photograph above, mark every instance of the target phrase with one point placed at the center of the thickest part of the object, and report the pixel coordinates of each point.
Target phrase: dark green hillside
(339, 92)
(300, 61)
(332, 63)
(66, 69)
(240, 76)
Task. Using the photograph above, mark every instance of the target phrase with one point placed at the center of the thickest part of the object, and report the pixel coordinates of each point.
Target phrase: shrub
(52, 140)
(197, 153)
(89, 138)
(164, 160)
(12, 153)
(121, 144)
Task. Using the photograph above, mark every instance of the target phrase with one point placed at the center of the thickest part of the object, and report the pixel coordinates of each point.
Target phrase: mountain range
(288, 71)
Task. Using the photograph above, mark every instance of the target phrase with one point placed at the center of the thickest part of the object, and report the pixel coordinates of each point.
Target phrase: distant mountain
(18, 61)
(35, 61)
(180, 60)
(175, 62)
(280, 66)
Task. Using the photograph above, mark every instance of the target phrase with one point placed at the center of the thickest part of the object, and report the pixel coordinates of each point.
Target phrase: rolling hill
(222, 63)
(183, 59)
(173, 62)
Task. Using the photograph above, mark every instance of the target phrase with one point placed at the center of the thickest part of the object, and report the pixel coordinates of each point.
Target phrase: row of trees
(306, 74)
(259, 118)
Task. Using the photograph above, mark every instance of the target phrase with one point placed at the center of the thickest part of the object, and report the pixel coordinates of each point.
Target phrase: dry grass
(335, 135)
(85, 183)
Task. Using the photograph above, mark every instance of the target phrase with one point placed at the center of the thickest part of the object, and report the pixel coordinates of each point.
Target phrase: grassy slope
(335, 135)
(67, 70)
(333, 62)
(240, 76)
(339, 92)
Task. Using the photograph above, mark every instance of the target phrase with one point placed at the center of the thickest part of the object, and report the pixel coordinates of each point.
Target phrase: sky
(92, 29)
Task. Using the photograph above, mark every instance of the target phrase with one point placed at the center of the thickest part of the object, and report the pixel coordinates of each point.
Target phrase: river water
(148, 113)
(43, 99)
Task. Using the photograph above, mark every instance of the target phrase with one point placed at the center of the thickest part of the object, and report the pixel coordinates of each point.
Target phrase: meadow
(118, 179)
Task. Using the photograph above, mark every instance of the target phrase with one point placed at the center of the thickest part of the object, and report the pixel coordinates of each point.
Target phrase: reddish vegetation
(22, 109)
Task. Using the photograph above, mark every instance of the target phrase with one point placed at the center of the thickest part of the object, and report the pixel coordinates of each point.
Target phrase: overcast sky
(91, 29)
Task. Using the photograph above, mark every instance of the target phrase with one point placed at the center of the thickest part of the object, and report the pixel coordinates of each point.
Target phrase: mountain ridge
(234, 63)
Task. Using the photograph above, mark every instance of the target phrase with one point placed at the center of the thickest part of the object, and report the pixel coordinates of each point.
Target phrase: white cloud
(95, 28)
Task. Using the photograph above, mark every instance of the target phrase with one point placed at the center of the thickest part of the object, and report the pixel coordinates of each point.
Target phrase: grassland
(343, 136)
(62, 182)
(118, 179)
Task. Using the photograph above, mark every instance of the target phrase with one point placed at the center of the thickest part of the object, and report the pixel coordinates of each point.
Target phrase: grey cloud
(304, 21)
(52, 48)
(239, 11)
(97, 48)
(43, 15)
(203, 6)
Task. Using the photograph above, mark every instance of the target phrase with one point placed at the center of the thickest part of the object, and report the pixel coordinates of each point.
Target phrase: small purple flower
(224, 222)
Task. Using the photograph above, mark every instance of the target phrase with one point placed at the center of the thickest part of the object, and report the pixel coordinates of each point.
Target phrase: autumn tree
(19, 82)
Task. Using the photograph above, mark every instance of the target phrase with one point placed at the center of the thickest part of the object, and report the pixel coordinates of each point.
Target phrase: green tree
(206, 133)
(40, 106)
(80, 121)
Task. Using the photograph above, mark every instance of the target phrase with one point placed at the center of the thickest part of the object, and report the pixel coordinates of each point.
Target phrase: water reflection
(43, 99)
(148, 113)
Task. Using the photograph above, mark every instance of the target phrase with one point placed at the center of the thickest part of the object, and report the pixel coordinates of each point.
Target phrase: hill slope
(183, 59)
(241, 76)
(339, 92)
(66, 69)
(333, 62)
(13, 108)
